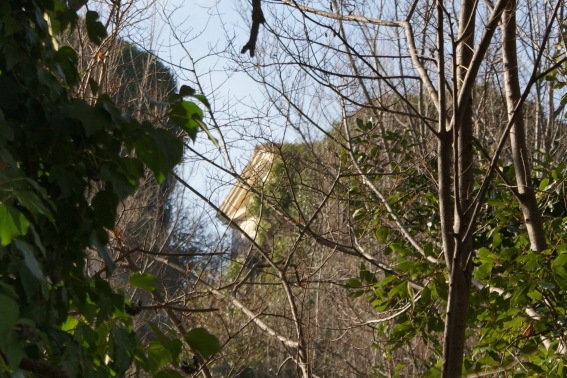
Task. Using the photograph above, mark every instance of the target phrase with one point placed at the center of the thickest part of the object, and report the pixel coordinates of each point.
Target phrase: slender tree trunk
(520, 153)
(444, 149)
(460, 265)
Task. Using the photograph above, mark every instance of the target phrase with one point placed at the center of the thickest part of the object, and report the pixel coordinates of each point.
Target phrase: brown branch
(176, 308)
(174, 254)
(257, 19)
(336, 16)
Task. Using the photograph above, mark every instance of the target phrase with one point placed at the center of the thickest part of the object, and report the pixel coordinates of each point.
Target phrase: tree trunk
(460, 265)
(444, 151)
(520, 153)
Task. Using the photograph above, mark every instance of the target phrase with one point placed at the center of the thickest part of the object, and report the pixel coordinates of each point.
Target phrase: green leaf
(185, 115)
(355, 294)
(93, 119)
(12, 224)
(67, 59)
(560, 260)
(407, 266)
(9, 318)
(174, 345)
(95, 29)
(123, 349)
(382, 234)
(367, 276)
(558, 267)
(399, 248)
(29, 259)
(104, 204)
(203, 100)
(483, 271)
(15, 352)
(158, 354)
(496, 239)
(353, 283)
(205, 343)
(124, 178)
(535, 295)
(160, 151)
(93, 84)
(186, 90)
(143, 281)
(206, 130)
(33, 204)
(69, 324)
(543, 184)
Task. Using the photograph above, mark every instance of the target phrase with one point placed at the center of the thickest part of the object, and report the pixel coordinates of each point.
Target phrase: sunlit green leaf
(69, 324)
(12, 224)
(185, 115)
(483, 271)
(143, 281)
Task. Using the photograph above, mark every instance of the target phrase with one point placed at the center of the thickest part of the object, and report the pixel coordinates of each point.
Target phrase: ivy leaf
(67, 64)
(31, 201)
(104, 204)
(29, 259)
(185, 115)
(123, 349)
(143, 281)
(12, 224)
(203, 342)
(124, 176)
(95, 29)
(93, 119)
(160, 151)
(186, 90)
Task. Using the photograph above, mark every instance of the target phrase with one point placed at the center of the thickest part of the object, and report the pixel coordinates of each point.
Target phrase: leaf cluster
(65, 165)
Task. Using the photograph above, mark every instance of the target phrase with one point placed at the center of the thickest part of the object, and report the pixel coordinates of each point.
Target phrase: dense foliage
(518, 309)
(65, 166)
